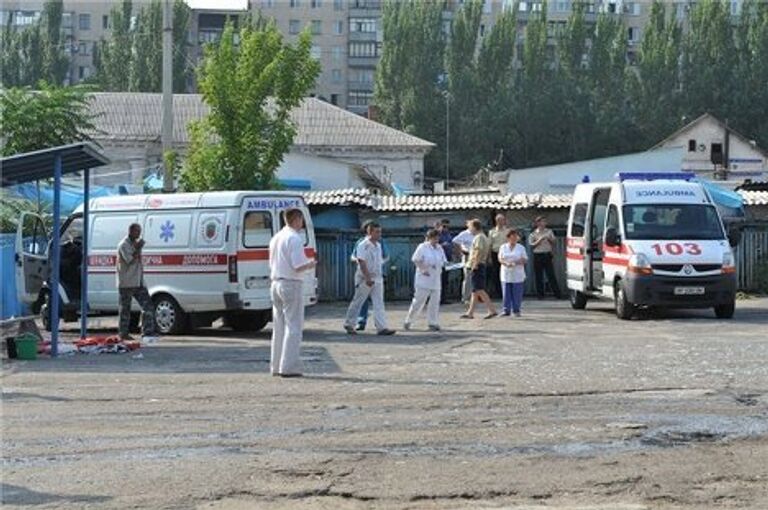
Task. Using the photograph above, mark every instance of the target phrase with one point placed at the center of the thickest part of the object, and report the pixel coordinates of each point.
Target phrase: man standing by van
(130, 284)
(369, 282)
(542, 241)
(287, 263)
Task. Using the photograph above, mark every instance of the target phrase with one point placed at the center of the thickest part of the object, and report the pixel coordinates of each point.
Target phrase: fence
(336, 270)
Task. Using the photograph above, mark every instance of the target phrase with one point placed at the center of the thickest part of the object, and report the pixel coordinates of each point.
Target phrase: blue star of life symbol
(166, 231)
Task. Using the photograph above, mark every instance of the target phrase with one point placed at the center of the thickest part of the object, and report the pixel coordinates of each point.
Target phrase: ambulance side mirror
(734, 236)
(612, 237)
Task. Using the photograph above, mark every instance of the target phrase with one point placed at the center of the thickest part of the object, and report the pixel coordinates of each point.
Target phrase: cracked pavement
(556, 410)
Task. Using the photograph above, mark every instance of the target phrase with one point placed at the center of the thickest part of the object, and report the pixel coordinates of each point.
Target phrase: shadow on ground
(17, 495)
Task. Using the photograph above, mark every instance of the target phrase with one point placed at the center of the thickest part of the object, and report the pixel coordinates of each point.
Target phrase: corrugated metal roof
(341, 197)
(134, 116)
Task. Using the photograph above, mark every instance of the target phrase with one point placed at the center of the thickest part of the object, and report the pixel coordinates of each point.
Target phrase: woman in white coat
(430, 261)
(512, 257)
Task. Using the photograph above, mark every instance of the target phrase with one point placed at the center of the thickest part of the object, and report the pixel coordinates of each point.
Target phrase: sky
(218, 4)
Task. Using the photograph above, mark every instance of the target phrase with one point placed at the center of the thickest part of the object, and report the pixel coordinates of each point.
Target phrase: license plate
(688, 291)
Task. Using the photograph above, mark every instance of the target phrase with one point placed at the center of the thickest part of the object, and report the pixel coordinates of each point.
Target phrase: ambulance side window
(579, 219)
(257, 229)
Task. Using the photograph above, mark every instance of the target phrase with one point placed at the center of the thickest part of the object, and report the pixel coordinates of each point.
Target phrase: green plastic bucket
(26, 346)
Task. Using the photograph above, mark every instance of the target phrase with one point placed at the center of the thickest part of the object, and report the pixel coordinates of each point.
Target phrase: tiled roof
(456, 202)
(342, 197)
(448, 202)
(133, 116)
(754, 197)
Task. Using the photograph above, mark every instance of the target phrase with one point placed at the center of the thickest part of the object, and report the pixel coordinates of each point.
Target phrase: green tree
(251, 88)
(654, 87)
(54, 61)
(146, 73)
(495, 86)
(52, 116)
(708, 60)
(115, 54)
(408, 77)
(461, 69)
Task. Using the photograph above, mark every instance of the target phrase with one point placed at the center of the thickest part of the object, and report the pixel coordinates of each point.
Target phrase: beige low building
(333, 148)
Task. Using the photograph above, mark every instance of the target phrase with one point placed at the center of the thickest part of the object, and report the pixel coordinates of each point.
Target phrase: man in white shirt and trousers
(369, 282)
(287, 264)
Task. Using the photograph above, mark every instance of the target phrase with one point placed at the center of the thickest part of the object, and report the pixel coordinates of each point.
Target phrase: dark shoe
(350, 330)
(466, 316)
(286, 376)
(505, 314)
(360, 327)
(386, 332)
(491, 315)
(433, 327)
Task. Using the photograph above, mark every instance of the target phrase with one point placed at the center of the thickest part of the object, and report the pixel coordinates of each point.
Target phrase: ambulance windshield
(672, 221)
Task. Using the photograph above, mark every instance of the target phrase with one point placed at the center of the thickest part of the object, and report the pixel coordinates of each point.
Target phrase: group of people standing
(497, 258)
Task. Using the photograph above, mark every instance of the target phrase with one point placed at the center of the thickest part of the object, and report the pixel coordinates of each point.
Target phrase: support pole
(84, 264)
(167, 125)
(55, 259)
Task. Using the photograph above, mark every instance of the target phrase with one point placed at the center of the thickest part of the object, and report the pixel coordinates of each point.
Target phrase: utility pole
(167, 127)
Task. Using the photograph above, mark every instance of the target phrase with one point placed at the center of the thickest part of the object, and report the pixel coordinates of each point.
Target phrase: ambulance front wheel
(578, 300)
(170, 319)
(624, 309)
(725, 311)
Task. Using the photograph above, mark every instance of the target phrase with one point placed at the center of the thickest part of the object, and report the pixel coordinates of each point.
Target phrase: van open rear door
(32, 266)
(258, 225)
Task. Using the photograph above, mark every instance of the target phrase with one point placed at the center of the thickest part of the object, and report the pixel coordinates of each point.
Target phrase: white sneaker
(149, 339)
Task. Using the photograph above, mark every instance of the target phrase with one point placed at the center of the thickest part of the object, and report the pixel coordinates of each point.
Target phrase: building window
(487, 6)
(338, 5)
(84, 21)
(363, 49)
(482, 30)
(294, 3)
(294, 26)
(336, 75)
(268, 3)
(633, 34)
(24, 18)
(83, 72)
(208, 36)
(317, 27)
(362, 76)
(691, 145)
(735, 9)
(316, 52)
(362, 25)
(105, 22)
(336, 53)
(338, 27)
(563, 6)
(360, 97)
(633, 8)
(335, 99)
(522, 6)
(315, 4)
(83, 48)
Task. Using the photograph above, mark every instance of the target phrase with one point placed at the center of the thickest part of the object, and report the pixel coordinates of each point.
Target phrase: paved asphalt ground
(558, 409)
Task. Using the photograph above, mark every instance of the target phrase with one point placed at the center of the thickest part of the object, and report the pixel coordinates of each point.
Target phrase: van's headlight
(640, 264)
(729, 266)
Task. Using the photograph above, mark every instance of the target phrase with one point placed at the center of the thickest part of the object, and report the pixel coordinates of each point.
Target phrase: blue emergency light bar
(652, 176)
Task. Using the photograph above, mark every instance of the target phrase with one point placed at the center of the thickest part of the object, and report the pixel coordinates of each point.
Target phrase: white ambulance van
(206, 256)
(649, 240)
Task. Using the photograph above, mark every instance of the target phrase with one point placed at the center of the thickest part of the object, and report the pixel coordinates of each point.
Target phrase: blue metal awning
(53, 163)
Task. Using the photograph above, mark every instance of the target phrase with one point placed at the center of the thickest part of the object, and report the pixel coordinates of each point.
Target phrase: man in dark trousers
(130, 285)
(446, 243)
(542, 242)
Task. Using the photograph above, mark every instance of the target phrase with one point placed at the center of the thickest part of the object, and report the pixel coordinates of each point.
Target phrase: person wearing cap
(542, 242)
(430, 260)
(498, 238)
(477, 264)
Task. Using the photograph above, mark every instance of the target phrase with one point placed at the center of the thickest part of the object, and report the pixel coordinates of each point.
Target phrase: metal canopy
(37, 165)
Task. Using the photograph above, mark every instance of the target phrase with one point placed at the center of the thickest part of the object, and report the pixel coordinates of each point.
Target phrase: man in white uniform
(369, 282)
(430, 260)
(287, 263)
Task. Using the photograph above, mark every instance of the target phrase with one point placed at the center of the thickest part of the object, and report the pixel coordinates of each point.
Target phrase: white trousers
(420, 297)
(362, 292)
(287, 326)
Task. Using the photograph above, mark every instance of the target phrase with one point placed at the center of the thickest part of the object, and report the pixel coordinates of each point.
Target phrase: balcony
(362, 61)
